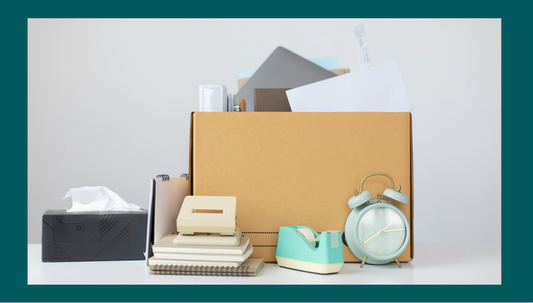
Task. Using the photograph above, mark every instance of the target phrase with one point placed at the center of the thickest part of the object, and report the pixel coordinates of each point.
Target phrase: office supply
(166, 196)
(209, 239)
(248, 268)
(362, 49)
(205, 257)
(231, 103)
(377, 231)
(296, 167)
(338, 72)
(300, 247)
(166, 245)
(156, 261)
(327, 63)
(208, 220)
(308, 234)
(207, 214)
(271, 100)
(282, 68)
(93, 235)
(213, 98)
(375, 89)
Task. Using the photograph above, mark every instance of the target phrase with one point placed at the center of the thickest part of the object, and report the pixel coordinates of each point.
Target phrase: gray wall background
(109, 103)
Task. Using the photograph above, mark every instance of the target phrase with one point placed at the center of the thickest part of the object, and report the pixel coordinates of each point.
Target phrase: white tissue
(97, 198)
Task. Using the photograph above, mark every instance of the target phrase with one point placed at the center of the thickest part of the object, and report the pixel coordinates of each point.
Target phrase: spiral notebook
(249, 268)
(155, 261)
(166, 197)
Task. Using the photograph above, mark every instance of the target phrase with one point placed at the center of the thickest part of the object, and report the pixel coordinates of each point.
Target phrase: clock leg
(364, 260)
(397, 261)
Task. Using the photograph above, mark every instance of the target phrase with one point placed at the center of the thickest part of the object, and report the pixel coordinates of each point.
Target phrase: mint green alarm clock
(377, 231)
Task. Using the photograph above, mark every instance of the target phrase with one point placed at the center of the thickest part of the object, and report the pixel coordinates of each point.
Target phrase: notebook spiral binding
(164, 177)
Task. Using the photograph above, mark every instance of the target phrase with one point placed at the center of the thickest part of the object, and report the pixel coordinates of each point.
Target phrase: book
(166, 197)
(248, 268)
(166, 245)
(155, 261)
(206, 257)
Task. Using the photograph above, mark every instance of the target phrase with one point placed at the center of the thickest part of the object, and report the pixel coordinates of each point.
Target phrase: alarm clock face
(381, 231)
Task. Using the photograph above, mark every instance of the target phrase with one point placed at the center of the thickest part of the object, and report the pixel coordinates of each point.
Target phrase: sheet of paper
(168, 200)
(166, 197)
(375, 89)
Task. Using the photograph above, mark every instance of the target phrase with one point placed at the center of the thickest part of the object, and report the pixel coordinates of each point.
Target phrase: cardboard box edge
(412, 190)
(191, 144)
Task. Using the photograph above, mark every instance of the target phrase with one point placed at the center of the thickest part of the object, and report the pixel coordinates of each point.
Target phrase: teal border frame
(516, 272)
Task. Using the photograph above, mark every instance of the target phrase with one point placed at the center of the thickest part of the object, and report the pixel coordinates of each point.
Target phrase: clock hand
(374, 228)
(371, 237)
(377, 233)
(387, 227)
(391, 230)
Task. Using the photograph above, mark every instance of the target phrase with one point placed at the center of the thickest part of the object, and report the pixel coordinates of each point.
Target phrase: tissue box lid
(93, 235)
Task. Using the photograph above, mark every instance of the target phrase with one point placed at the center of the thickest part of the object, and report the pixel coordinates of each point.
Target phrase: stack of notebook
(183, 259)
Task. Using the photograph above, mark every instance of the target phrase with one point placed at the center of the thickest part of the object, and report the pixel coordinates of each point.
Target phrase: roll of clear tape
(334, 238)
(308, 234)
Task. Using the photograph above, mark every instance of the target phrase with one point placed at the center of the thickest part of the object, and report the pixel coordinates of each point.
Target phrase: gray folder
(282, 69)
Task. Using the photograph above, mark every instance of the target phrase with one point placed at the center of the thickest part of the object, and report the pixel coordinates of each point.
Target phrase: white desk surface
(432, 264)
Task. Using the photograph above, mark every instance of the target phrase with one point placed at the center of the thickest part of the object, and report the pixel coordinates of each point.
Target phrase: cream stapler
(207, 220)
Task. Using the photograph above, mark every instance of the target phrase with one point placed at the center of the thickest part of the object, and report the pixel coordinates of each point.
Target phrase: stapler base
(309, 266)
(208, 239)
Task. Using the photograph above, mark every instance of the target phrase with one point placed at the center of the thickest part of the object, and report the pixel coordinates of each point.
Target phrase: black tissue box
(93, 236)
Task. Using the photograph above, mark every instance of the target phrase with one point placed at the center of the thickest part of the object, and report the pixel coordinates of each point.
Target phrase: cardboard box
(290, 168)
(93, 235)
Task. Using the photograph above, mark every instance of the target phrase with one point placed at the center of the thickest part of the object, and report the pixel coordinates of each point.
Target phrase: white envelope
(374, 89)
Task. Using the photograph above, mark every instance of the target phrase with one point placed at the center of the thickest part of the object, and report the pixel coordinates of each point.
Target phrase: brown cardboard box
(298, 168)
(338, 72)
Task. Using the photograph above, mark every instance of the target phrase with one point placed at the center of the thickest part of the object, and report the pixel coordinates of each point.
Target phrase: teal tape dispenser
(301, 248)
